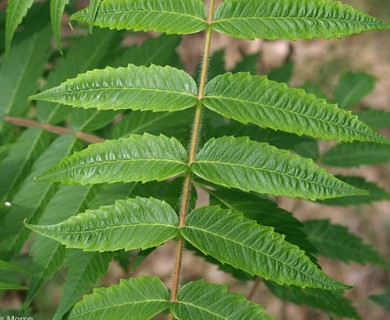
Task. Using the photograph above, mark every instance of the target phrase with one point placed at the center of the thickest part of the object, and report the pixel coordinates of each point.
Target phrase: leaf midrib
(300, 18)
(269, 171)
(261, 253)
(201, 308)
(120, 305)
(102, 12)
(124, 226)
(346, 128)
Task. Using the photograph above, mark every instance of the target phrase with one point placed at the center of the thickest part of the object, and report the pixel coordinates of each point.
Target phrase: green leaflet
(332, 302)
(266, 103)
(201, 300)
(47, 254)
(85, 270)
(356, 154)
(137, 88)
(352, 88)
(336, 242)
(376, 193)
(133, 299)
(56, 11)
(377, 119)
(136, 158)
(382, 299)
(172, 17)
(11, 286)
(291, 19)
(5, 265)
(240, 242)
(252, 166)
(31, 199)
(16, 10)
(119, 226)
(92, 11)
(24, 64)
(86, 53)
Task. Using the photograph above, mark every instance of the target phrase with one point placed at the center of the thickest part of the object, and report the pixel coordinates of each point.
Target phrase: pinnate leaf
(136, 158)
(356, 154)
(291, 19)
(336, 242)
(171, 17)
(269, 104)
(16, 10)
(93, 8)
(240, 242)
(377, 119)
(353, 87)
(201, 300)
(376, 193)
(252, 166)
(119, 226)
(11, 286)
(5, 265)
(138, 88)
(56, 11)
(133, 299)
(332, 302)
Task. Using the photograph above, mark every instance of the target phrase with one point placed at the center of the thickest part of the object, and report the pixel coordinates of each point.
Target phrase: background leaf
(348, 155)
(352, 88)
(56, 11)
(336, 242)
(332, 302)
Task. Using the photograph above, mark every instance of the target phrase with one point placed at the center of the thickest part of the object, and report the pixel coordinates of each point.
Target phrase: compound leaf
(269, 104)
(119, 226)
(136, 158)
(382, 299)
(5, 265)
(201, 300)
(139, 88)
(56, 11)
(240, 242)
(353, 87)
(86, 268)
(356, 154)
(291, 19)
(171, 17)
(11, 286)
(16, 11)
(376, 193)
(133, 299)
(93, 9)
(336, 242)
(377, 119)
(332, 302)
(252, 166)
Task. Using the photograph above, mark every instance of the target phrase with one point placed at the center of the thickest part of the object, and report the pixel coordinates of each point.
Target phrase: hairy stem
(57, 130)
(193, 147)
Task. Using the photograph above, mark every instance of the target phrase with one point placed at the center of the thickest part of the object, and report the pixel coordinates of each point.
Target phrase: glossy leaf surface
(269, 104)
(172, 17)
(240, 242)
(119, 226)
(252, 166)
(136, 158)
(291, 19)
(137, 88)
(133, 299)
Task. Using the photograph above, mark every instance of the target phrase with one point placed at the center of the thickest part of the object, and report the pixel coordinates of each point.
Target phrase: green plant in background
(136, 189)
